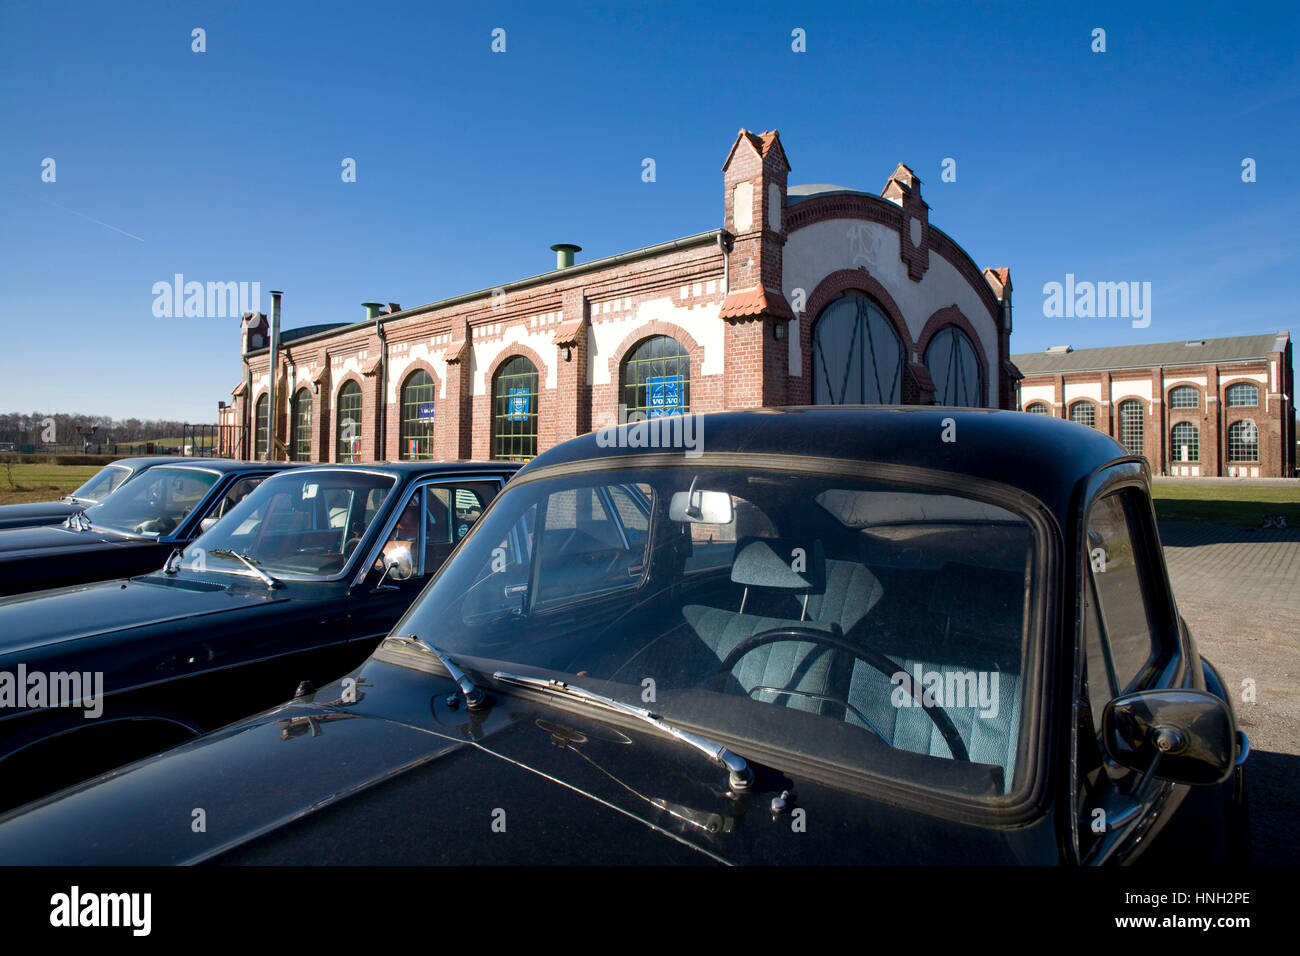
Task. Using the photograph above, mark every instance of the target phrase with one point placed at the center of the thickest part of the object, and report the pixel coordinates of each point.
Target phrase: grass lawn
(1244, 505)
(20, 483)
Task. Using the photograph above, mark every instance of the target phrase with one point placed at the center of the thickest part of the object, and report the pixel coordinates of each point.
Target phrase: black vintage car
(837, 635)
(132, 530)
(100, 485)
(298, 582)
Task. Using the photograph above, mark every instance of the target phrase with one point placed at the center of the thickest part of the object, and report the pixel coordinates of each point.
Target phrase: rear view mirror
(701, 507)
(1185, 736)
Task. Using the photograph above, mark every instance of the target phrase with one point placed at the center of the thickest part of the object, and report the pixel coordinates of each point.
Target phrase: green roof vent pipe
(372, 309)
(564, 254)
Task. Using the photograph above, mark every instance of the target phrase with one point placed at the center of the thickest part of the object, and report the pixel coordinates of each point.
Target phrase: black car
(132, 530)
(103, 483)
(297, 583)
(837, 635)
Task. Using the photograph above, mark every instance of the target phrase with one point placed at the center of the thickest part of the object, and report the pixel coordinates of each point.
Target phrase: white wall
(815, 251)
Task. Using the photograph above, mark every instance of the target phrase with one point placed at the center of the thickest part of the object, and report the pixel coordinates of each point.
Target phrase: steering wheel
(879, 661)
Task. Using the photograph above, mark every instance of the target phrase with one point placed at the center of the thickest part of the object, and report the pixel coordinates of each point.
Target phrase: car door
(444, 510)
(1127, 640)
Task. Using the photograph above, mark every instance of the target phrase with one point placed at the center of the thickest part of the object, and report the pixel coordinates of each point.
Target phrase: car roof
(401, 468)
(1038, 454)
(224, 465)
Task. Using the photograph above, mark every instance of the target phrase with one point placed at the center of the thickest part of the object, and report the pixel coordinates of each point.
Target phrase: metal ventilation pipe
(564, 254)
(270, 402)
(372, 309)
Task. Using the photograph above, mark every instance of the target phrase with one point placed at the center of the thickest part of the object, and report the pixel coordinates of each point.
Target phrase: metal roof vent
(564, 254)
(1059, 349)
(1194, 343)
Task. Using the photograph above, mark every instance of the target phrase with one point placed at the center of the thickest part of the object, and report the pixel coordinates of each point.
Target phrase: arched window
(514, 410)
(1184, 396)
(348, 427)
(950, 359)
(300, 441)
(1130, 426)
(261, 427)
(1038, 408)
(417, 416)
(1242, 395)
(857, 356)
(1184, 442)
(1243, 441)
(656, 378)
(1084, 413)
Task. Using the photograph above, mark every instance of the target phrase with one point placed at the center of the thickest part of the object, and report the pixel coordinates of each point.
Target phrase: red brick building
(1205, 408)
(807, 294)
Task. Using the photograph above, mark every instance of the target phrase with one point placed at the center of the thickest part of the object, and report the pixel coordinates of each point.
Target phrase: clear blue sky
(225, 165)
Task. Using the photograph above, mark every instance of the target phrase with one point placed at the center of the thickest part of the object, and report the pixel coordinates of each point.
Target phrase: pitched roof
(1242, 348)
(763, 144)
(755, 301)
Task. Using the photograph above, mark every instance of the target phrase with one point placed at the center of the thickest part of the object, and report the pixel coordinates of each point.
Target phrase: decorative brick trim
(650, 330)
(875, 209)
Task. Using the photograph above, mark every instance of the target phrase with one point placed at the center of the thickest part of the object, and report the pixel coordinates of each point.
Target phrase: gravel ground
(1239, 590)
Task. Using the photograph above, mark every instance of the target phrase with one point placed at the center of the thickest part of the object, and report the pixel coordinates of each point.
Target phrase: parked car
(130, 532)
(103, 483)
(837, 635)
(298, 582)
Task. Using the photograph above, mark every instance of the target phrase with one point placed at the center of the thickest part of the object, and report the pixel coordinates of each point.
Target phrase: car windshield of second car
(877, 626)
(154, 504)
(296, 524)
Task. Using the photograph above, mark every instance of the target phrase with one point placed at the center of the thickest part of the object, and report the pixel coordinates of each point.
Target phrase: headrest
(794, 564)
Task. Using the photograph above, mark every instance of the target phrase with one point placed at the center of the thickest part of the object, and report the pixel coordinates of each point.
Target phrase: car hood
(42, 619)
(36, 513)
(45, 540)
(332, 781)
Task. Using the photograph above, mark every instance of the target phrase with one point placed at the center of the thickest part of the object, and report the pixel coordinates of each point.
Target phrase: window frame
(1124, 425)
(1092, 412)
(956, 334)
(1238, 388)
(633, 363)
(1195, 444)
(500, 411)
(299, 443)
(865, 304)
(407, 424)
(1184, 390)
(1232, 442)
(350, 457)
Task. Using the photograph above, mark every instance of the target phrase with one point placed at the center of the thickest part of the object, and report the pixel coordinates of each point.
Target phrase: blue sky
(225, 165)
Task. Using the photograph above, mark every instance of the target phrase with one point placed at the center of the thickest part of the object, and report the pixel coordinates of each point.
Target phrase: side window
(585, 546)
(1125, 613)
(449, 512)
(237, 493)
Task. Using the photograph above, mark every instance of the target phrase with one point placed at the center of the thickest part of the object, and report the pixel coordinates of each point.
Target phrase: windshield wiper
(248, 562)
(740, 776)
(474, 696)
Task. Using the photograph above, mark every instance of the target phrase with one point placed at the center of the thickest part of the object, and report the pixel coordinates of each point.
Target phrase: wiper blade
(474, 696)
(248, 562)
(740, 776)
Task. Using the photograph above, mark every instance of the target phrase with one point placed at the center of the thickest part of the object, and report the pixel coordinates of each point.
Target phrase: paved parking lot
(1239, 589)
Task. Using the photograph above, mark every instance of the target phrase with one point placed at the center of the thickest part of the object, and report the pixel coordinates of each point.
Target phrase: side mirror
(207, 523)
(1186, 736)
(400, 566)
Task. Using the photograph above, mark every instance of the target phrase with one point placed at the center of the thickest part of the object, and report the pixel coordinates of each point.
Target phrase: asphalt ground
(1239, 591)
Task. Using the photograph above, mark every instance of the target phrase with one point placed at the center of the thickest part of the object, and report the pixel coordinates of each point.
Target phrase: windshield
(872, 625)
(105, 481)
(155, 503)
(302, 523)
